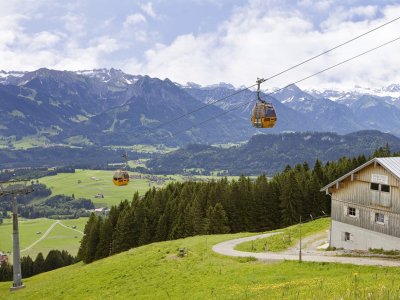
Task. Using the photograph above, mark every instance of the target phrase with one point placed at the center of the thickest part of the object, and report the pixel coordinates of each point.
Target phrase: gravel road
(227, 248)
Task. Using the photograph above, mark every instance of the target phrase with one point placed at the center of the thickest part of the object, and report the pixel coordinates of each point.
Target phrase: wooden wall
(355, 192)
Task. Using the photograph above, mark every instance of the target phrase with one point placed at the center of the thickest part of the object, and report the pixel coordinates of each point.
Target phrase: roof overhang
(351, 173)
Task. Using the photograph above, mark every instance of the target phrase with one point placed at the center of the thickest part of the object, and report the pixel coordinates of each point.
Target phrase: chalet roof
(392, 164)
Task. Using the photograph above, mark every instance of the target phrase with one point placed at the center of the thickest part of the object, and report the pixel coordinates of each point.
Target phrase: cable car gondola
(264, 115)
(121, 177)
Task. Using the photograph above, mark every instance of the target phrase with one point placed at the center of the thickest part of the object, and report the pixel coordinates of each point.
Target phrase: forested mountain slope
(270, 153)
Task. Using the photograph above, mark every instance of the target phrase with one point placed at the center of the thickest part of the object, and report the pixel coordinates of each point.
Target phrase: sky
(205, 41)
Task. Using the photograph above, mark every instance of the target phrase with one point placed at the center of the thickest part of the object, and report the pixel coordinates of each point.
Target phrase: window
(375, 186)
(379, 218)
(385, 188)
(352, 211)
(347, 236)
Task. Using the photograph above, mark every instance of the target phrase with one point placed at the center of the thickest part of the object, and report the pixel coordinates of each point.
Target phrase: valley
(43, 235)
(237, 149)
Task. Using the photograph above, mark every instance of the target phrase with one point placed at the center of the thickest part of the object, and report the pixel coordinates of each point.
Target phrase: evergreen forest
(184, 209)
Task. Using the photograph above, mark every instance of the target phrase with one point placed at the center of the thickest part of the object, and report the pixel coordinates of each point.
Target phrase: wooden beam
(337, 185)
(352, 176)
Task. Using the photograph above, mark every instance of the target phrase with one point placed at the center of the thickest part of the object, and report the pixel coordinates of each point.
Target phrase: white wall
(362, 239)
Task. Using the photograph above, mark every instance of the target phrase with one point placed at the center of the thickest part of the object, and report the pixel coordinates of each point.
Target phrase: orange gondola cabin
(263, 115)
(121, 177)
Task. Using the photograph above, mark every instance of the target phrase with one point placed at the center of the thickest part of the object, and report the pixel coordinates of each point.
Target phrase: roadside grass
(155, 272)
(60, 238)
(289, 237)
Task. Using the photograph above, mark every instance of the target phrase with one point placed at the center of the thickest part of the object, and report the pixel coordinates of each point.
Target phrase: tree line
(55, 259)
(183, 209)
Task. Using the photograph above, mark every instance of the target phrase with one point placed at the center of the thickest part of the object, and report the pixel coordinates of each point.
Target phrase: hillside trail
(227, 248)
(42, 237)
(70, 228)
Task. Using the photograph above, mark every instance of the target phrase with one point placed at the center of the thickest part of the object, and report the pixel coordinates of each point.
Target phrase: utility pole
(17, 275)
(300, 241)
(15, 188)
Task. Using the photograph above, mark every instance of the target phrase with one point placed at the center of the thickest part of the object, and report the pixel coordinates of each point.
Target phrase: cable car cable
(293, 83)
(268, 78)
(277, 74)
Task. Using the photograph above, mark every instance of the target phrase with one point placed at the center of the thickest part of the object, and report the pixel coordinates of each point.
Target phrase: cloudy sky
(204, 41)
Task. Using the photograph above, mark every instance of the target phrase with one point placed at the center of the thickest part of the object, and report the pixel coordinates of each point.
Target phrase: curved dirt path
(70, 227)
(43, 236)
(227, 248)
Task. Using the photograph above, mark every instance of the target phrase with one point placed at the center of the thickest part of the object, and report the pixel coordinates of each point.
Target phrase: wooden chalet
(366, 206)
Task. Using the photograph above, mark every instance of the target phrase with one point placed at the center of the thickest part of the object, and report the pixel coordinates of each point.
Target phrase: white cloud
(134, 19)
(148, 9)
(74, 23)
(260, 40)
(24, 49)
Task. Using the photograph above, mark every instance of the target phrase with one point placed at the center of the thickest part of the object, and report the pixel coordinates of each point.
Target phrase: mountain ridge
(108, 107)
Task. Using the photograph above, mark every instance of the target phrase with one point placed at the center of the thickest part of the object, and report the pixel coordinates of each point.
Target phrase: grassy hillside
(155, 272)
(60, 237)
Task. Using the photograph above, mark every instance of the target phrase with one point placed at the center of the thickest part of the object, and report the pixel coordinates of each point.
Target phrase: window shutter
(343, 236)
(372, 214)
(386, 219)
(345, 210)
(357, 213)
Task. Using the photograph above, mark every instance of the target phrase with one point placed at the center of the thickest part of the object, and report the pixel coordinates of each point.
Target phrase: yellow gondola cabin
(121, 177)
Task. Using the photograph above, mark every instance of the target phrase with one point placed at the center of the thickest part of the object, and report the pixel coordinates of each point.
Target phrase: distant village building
(366, 206)
(100, 211)
(3, 259)
(99, 195)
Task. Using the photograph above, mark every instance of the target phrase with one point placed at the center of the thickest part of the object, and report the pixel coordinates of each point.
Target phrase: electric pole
(300, 241)
(13, 189)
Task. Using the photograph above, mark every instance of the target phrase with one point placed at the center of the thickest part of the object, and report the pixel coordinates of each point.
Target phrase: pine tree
(27, 266)
(53, 260)
(290, 201)
(317, 170)
(92, 241)
(38, 265)
(83, 248)
(218, 220)
(105, 240)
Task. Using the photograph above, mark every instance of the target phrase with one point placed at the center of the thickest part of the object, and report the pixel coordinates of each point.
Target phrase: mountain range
(110, 107)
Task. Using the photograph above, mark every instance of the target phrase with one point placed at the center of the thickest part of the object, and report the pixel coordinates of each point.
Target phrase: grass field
(289, 237)
(91, 183)
(155, 272)
(88, 183)
(60, 237)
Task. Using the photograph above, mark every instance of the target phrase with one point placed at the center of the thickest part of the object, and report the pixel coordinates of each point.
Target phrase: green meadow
(156, 272)
(60, 237)
(88, 183)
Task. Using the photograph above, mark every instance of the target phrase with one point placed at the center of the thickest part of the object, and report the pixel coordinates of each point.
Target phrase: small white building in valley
(366, 206)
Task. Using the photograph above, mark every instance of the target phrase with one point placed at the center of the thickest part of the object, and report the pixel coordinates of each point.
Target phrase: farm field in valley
(88, 183)
(62, 236)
